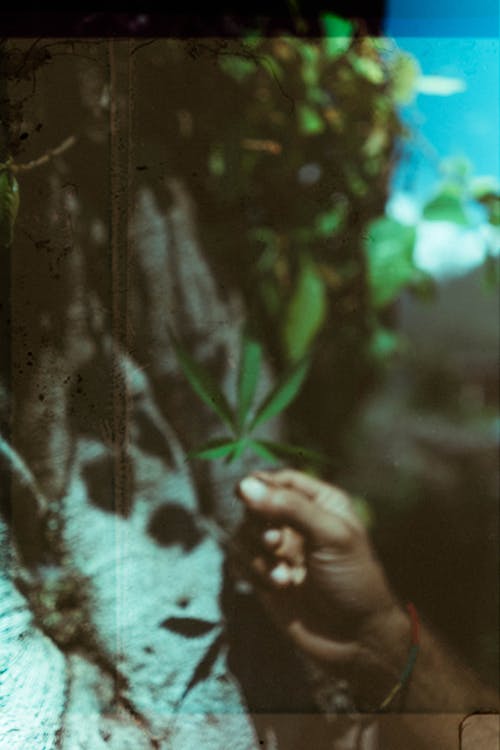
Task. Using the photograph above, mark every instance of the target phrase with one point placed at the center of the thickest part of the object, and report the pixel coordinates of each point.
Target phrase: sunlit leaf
(284, 393)
(310, 121)
(9, 205)
(369, 69)
(306, 311)
(446, 206)
(389, 248)
(202, 383)
(405, 72)
(439, 85)
(238, 67)
(220, 448)
(250, 360)
(338, 34)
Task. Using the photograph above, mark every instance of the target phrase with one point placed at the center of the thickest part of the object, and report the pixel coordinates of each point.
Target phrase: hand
(315, 569)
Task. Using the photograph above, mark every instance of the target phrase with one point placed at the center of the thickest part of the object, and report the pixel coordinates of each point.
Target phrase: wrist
(380, 656)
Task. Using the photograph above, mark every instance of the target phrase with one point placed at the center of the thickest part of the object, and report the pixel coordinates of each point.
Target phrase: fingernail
(272, 536)
(254, 489)
(281, 573)
(299, 575)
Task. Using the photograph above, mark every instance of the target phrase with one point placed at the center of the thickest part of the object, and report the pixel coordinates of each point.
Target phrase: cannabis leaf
(243, 420)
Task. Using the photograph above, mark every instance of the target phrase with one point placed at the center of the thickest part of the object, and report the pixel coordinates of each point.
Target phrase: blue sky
(460, 40)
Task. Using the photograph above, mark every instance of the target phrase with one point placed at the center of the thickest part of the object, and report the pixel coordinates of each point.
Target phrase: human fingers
(328, 496)
(264, 572)
(285, 543)
(274, 502)
(273, 546)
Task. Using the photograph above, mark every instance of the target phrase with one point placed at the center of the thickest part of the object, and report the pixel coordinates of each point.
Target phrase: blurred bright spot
(442, 248)
(439, 85)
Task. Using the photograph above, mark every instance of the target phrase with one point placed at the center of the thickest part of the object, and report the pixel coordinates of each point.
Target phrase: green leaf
(285, 449)
(328, 222)
(9, 205)
(405, 71)
(236, 66)
(257, 447)
(239, 447)
(384, 344)
(368, 68)
(338, 33)
(284, 393)
(219, 448)
(250, 360)
(310, 121)
(217, 161)
(389, 249)
(306, 311)
(310, 69)
(202, 383)
(446, 206)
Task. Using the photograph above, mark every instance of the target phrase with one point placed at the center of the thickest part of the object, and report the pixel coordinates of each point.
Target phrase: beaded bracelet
(412, 657)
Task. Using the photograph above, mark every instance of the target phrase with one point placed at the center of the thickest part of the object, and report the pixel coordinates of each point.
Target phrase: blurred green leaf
(338, 34)
(236, 66)
(317, 95)
(310, 69)
(285, 449)
(492, 206)
(310, 121)
(239, 448)
(252, 38)
(306, 311)
(446, 206)
(284, 393)
(250, 361)
(405, 71)
(220, 448)
(328, 222)
(456, 170)
(389, 250)
(9, 205)
(260, 450)
(217, 161)
(368, 68)
(202, 383)
(384, 344)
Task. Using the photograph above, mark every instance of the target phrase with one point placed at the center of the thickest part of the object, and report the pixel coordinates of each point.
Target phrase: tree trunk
(120, 627)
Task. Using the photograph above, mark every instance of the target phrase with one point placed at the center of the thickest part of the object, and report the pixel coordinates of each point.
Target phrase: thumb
(290, 506)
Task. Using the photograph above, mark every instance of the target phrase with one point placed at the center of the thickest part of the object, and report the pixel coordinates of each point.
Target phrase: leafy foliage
(277, 400)
(390, 259)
